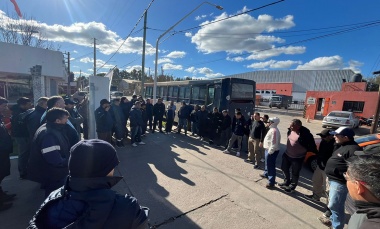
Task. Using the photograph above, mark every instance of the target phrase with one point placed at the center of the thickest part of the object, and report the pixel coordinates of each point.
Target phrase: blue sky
(289, 35)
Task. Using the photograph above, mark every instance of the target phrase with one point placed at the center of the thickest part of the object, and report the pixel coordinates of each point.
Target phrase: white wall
(18, 59)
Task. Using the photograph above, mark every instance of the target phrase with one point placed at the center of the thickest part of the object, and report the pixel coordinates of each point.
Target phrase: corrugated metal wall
(303, 80)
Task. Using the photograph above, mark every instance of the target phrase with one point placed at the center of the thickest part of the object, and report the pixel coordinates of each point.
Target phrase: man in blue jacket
(87, 200)
(136, 122)
(50, 151)
(104, 121)
(237, 134)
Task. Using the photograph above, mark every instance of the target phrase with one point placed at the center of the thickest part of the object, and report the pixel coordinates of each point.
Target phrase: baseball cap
(369, 150)
(345, 131)
(325, 132)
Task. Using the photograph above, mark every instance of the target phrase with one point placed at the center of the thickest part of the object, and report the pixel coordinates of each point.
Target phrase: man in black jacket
(6, 148)
(363, 184)
(87, 200)
(237, 133)
(158, 113)
(255, 141)
(225, 129)
(149, 113)
(50, 151)
(336, 166)
(19, 133)
(104, 121)
(300, 141)
(326, 149)
(33, 120)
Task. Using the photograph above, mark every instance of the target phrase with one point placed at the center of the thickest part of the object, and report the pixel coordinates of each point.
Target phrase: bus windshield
(242, 91)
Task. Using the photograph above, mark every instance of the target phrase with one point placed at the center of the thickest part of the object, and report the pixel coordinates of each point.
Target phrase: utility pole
(94, 56)
(376, 118)
(143, 56)
(68, 92)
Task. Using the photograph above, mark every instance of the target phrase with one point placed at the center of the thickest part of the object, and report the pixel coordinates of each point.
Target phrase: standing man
(149, 113)
(255, 141)
(6, 148)
(48, 162)
(20, 134)
(124, 104)
(216, 119)
(136, 123)
(202, 115)
(272, 143)
(118, 121)
(183, 115)
(33, 120)
(104, 121)
(300, 141)
(336, 166)
(225, 129)
(83, 111)
(237, 134)
(363, 179)
(75, 118)
(326, 149)
(194, 121)
(158, 113)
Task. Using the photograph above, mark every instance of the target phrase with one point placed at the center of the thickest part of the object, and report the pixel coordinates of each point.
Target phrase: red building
(352, 97)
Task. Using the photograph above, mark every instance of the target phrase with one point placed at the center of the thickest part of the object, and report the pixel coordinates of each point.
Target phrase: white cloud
(82, 34)
(323, 63)
(164, 60)
(354, 64)
(176, 54)
(169, 66)
(240, 34)
(191, 69)
(235, 59)
(131, 68)
(204, 70)
(99, 62)
(188, 34)
(198, 18)
(274, 64)
(77, 74)
(290, 50)
(75, 51)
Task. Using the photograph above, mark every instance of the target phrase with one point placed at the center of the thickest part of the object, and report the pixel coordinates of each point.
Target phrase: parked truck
(280, 101)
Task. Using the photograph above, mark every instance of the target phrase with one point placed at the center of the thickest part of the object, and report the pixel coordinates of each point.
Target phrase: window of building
(354, 106)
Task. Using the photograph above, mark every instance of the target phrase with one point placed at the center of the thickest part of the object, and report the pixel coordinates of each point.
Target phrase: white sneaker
(238, 154)
(134, 145)
(226, 152)
(262, 160)
(141, 143)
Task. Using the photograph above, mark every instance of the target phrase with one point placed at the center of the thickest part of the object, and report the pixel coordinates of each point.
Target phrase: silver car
(338, 119)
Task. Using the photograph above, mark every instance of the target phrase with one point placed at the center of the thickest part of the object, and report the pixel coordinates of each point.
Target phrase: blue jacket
(135, 117)
(104, 121)
(170, 114)
(89, 203)
(238, 126)
(49, 155)
(184, 112)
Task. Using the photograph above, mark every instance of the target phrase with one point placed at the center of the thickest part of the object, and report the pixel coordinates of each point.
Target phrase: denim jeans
(270, 166)
(135, 134)
(337, 198)
(182, 123)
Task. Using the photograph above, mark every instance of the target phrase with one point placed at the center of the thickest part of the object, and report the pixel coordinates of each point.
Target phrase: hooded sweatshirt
(273, 137)
(367, 216)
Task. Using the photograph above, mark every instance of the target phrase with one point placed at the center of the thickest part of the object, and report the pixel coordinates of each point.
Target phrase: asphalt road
(189, 184)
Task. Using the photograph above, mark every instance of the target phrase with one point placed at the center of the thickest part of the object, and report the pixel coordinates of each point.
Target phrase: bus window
(175, 94)
(210, 96)
(242, 91)
(165, 96)
(187, 93)
(170, 92)
(181, 93)
(161, 94)
(202, 94)
(194, 94)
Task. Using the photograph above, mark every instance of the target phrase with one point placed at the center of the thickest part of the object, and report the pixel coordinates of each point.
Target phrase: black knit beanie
(92, 158)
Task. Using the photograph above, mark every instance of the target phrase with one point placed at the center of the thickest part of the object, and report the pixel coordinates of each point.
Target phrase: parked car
(370, 120)
(116, 94)
(363, 141)
(338, 119)
(78, 96)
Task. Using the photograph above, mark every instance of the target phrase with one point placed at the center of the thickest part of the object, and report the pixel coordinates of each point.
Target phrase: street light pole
(162, 35)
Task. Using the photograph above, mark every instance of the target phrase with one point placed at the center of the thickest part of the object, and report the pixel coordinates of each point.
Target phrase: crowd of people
(51, 152)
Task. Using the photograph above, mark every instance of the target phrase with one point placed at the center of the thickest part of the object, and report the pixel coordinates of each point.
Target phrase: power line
(134, 27)
(296, 42)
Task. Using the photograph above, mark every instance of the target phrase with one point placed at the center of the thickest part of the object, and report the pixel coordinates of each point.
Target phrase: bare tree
(24, 32)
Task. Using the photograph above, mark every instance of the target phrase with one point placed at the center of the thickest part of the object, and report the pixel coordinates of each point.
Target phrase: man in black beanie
(86, 200)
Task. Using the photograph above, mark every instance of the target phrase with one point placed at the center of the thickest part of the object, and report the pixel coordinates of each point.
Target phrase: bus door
(214, 97)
